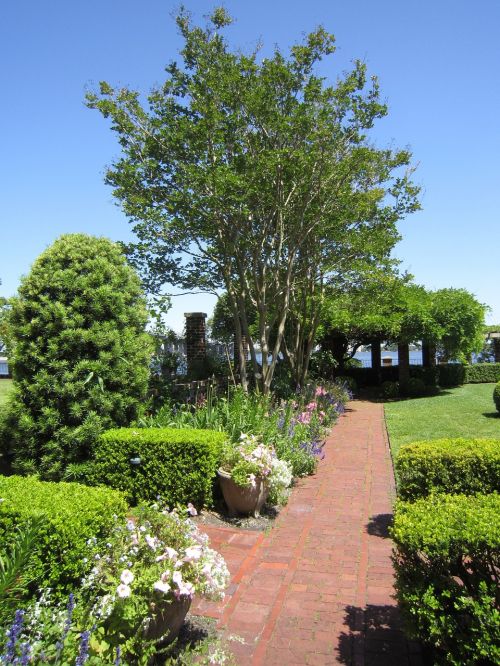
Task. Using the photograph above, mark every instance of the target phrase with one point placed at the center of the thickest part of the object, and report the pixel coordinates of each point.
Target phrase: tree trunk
(428, 354)
(496, 349)
(376, 357)
(404, 362)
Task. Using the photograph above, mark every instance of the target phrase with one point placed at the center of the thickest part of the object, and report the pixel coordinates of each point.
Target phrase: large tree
(256, 176)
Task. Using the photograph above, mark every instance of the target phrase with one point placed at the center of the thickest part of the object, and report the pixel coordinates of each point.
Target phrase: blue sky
(439, 67)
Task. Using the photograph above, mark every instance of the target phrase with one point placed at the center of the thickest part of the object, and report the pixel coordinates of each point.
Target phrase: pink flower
(127, 577)
(320, 391)
(305, 417)
(160, 586)
(312, 405)
(123, 591)
(191, 510)
(193, 553)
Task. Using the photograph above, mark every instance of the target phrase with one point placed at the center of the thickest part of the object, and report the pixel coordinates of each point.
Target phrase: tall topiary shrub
(80, 354)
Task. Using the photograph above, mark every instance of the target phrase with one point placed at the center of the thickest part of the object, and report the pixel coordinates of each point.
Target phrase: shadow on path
(380, 525)
(375, 638)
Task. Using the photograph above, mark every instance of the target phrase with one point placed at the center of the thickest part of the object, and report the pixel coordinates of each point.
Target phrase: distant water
(366, 357)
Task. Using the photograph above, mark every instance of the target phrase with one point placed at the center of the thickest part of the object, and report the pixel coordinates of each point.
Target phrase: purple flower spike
(13, 634)
(83, 654)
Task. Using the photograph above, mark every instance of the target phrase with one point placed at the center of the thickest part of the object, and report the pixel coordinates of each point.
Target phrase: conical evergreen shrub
(79, 355)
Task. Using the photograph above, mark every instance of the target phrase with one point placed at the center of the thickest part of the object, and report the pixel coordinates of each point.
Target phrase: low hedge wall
(72, 516)
(448, 465)
(144, 463)
(447, 560)
(481, 373)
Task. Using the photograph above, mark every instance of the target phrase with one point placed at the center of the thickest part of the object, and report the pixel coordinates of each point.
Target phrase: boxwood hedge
(447, 560)
(496, 396)
(448, 465)
(479, 373)
(178, 465)
(72, 516)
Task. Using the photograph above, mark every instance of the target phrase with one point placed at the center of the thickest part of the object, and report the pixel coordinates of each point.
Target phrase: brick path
(318, 588)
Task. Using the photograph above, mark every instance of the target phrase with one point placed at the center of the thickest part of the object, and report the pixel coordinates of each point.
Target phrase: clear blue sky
(439, 68)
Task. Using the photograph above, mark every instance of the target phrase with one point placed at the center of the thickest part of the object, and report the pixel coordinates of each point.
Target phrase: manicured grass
(5, 387)
(467, 411)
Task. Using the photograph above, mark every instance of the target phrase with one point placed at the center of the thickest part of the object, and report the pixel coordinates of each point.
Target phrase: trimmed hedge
(447, 560)
(482, 373)
(178, 465)
(451, 374)
(448, 465)
(496, 396)
(73, 514)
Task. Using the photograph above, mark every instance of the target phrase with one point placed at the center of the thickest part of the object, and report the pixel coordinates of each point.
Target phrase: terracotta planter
(246, 500)
(168, 620)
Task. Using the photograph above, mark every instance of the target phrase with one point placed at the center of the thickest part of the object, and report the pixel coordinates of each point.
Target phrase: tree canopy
(256, 176)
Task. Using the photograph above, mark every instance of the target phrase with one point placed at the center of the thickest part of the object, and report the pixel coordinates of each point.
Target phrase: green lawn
(5, 386)
(467, 411)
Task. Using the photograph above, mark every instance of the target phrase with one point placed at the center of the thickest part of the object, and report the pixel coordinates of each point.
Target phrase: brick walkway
(318, 588)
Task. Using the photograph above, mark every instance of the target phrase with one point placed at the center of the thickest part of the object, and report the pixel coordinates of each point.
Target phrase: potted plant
(248, 471)
(155, 565)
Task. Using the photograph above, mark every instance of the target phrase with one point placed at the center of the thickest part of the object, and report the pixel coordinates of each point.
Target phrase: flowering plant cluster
(157, 557)
(250, 460)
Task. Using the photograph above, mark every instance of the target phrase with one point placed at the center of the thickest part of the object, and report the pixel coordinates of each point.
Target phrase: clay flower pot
(243, 499)
(168, 620)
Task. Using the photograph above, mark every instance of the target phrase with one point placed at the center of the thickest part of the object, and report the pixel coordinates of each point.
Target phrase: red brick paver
(318, 588)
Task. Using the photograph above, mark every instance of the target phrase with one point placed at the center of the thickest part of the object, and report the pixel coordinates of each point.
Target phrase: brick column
(196, 343)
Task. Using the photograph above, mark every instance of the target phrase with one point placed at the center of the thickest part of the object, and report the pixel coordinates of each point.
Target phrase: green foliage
(448, 465)
(447, 560)
(496, 396)
(478, 373)
(451, 374)
(178, 465)
(390, 390)
(461, 318)
(15, 573)
(80, 356)
(413, 388)
(72, 513)
(209, 211)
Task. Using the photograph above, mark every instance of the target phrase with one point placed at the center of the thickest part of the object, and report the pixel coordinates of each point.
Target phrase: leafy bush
(496, 396)
(451, 374)
(447, 560)
(80, 356)
(413, 388)
(448, 465)
(390, 390)
(178, 465)
(479, 373)
(349, 383)
(74, 514)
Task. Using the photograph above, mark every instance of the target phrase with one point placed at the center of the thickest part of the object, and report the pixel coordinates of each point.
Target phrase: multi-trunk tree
(256, 176)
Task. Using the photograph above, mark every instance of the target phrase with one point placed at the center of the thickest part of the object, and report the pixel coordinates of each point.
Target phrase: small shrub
(429, 375)
(496, 396)
(448, 465)
(451, 374)
(482, 373)
(73, 514)
(413, 388)
(447, 559)
(178, 465)
(389, 390)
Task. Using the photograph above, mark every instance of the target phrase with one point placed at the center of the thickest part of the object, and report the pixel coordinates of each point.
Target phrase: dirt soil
(219, 517)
